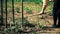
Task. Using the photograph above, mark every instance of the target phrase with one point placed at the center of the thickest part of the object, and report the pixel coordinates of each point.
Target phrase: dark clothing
(56, 12)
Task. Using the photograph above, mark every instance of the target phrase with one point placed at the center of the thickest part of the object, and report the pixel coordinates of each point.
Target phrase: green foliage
(39, 9)
(39, 24)
(17, 10)
(28, 10)
(16, 27)
(34, 32)
(37, 1)
(50, 14)
(25, 21)
(34, 1)
(50, 3)
(13, 28)
(15, 0)
(29, 1)
(18, 0)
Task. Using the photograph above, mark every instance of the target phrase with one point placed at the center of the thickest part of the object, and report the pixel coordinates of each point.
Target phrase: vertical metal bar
(6, 11)
(0, 9)
(22, 12)
(13, 10)
(1, 12)
(13, 13)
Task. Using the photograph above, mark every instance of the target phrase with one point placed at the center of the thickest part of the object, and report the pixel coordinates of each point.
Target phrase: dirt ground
(33, 18)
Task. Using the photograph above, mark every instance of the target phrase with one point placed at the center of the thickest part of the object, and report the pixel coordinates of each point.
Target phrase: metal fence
(1, 10)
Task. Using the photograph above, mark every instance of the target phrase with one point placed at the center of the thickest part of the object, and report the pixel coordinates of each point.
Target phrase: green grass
(28, 9)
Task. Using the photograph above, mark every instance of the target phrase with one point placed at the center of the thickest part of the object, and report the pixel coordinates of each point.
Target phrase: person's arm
(44, 6)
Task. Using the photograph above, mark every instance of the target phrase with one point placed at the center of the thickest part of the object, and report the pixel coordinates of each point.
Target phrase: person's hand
(41, 12)
(51, 0)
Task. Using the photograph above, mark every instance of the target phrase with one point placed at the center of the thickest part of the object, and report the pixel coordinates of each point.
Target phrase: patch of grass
(34, 1)
(28, 10)
(18, 22)
(15, 0)
(39, 24)
(50, 13)
(11, 29)
(39, 9)
(14, 28)
(17, 10)
(34, 32)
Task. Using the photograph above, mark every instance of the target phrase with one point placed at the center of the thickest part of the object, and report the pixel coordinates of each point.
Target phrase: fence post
(22, 14)
(13, 11)
(6, 11)
(1, 12)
